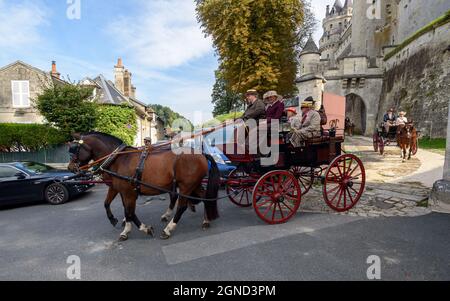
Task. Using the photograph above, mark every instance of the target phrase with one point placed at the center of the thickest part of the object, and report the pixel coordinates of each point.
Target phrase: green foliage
(119, 121)
(167, 115)
(222, 118)
(444, 19)
(67, 107)
(28, 137)
(223, 98)
(256, 41)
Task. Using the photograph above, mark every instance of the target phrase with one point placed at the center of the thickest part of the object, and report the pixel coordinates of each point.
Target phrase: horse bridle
(75, 153)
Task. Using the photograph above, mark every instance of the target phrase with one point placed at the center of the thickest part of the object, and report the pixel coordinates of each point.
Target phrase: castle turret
(309, 58)
(365, 22)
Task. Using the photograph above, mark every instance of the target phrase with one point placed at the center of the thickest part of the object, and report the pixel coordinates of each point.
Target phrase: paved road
(35, 242)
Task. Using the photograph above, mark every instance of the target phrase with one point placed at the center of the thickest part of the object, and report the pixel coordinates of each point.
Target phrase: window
(20, 93)
(7, 172)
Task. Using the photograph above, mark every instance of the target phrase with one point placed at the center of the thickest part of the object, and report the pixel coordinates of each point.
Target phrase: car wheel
(56, 194)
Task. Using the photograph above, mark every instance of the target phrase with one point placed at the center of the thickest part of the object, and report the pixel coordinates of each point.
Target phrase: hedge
(28, 137)
(431, 26)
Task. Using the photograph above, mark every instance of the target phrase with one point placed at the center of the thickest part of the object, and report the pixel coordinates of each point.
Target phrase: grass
(435, 145)
(431, 26)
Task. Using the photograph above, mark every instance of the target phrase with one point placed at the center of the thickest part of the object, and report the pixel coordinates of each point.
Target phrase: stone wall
(417, 80)
(415, 14)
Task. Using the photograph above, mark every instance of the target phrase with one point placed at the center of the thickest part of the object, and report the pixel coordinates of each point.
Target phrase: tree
(68, 108)
(256, 41)
(167, 115)
(223, 99)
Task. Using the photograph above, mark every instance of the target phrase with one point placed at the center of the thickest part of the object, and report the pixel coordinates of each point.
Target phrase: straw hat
(251, 92)
(270, 94)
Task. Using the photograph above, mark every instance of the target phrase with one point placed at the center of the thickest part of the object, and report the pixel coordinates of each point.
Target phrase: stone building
(355, 59)
(122, 91)
(20, 84)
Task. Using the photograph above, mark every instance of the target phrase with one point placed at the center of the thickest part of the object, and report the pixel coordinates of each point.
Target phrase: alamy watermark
(374, 270)
(73, 272)
(73, 11)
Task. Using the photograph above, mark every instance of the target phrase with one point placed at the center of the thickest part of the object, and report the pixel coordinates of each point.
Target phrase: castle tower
(337, 21)
(367, 19)
(310, 82)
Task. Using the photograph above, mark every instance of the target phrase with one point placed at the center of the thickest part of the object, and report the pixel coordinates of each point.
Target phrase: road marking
(228, 241)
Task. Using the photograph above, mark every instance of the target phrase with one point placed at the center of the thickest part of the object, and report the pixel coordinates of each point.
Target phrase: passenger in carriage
(389, 119)
(401, 121)
(256, 108)
(310, 124)
(295, 122)
(274, 108)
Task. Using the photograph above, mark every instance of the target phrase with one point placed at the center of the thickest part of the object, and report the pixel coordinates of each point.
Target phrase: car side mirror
(20, 175)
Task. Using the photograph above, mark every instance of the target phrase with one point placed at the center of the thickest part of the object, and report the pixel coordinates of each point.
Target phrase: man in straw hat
(389, 119)
(310, 124)
(256, 108)
(275, 108)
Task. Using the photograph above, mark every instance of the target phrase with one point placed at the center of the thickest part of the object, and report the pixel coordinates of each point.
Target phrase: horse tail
(212, 189)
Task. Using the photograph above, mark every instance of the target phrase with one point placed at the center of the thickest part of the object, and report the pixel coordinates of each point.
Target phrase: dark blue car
(23, 182)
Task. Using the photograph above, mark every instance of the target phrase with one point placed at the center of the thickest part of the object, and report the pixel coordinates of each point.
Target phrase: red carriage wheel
(305, 176)
(239, 188)
(375, 141)
(415, 147)
(276, 197)
(345, 180)
(381, 145)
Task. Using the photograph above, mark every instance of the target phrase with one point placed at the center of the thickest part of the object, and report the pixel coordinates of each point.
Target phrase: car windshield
(35, 167)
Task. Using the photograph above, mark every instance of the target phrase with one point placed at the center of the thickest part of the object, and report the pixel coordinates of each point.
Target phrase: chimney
(119, 79)
(54, 72)
(328, 10)
(127, 84)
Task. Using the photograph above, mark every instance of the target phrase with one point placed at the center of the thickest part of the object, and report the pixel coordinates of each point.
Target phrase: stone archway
(357, 112)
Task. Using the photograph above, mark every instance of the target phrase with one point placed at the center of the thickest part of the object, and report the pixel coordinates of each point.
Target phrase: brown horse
(406, 138)
(163, 168)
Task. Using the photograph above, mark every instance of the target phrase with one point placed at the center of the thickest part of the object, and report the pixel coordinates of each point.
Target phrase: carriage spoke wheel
(277, 196)
(375, 141)
(381, 145)
(305, 176)
(345, 180)
(239, 188)
(415, 147)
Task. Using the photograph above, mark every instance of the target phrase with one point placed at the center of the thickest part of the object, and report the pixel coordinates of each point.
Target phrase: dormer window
(20, 93)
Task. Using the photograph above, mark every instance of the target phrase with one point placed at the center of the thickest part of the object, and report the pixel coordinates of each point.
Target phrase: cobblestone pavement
(381, 198)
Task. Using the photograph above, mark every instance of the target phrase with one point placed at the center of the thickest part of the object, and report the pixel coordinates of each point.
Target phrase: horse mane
(109, 138)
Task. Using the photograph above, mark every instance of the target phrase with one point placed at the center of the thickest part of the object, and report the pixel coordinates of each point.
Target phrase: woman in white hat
(401, 120)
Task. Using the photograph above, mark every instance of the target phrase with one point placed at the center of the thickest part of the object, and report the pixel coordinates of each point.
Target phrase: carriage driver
(310, 124)
(389, 119)
(256, 108)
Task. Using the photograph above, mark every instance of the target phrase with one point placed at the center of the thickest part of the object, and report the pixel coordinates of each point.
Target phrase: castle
(382, 53)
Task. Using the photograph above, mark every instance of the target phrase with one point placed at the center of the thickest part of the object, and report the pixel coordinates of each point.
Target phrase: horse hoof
(164, 236)
(114, 222)
(123, 238)
(206, 226)
(150, 231)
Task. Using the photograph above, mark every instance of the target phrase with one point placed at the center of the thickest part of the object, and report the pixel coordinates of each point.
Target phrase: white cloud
(20, 23)
(165, 34)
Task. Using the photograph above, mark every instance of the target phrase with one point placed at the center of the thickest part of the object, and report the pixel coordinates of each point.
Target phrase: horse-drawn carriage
(382, 138)
(275, 191)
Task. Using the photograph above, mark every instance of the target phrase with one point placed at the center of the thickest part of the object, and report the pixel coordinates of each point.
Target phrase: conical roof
(310, 47)
(338, 6)
(348, 3)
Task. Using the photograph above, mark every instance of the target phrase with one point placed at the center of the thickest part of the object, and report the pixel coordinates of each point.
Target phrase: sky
(160, 42)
